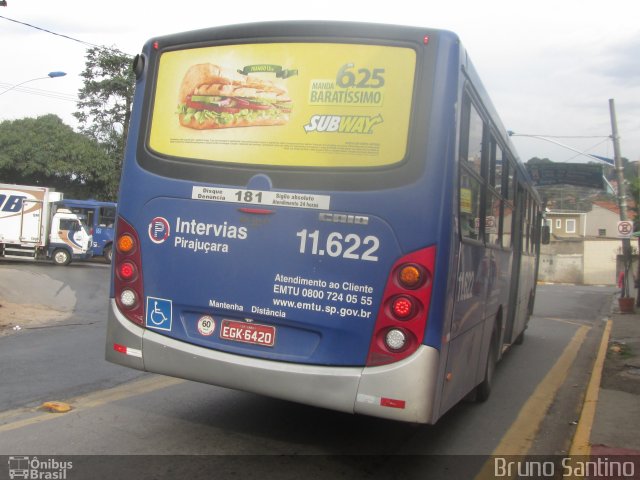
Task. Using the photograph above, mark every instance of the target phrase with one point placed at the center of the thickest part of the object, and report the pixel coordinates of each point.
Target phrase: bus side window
(493, 219)
(494, 209)
(527, 223)
(509, 187)
(108, 216)
(507, 224)
(472, 215)
(497, 169)
(474, 140)
(511, 183)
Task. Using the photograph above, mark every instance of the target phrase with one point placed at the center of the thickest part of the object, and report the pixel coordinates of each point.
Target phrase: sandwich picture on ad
(212, 97)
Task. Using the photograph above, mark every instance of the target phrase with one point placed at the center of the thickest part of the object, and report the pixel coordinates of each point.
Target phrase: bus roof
(87, 203)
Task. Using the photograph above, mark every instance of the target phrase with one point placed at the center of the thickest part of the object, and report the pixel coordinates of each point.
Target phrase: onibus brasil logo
(35, 468)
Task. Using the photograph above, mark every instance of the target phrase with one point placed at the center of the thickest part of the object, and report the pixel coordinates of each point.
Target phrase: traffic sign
(625, 228)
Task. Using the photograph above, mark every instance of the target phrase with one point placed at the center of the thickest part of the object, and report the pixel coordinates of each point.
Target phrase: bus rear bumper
(402, 391)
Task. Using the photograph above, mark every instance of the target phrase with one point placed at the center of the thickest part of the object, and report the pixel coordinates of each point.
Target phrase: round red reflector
(402, 307)
(127, 270)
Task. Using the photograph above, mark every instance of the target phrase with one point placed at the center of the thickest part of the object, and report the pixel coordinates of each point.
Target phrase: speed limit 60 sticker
(206, 325)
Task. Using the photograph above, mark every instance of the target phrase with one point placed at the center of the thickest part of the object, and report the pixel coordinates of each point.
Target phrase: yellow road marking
(519, 438)
(580, 444)
(91, 400)
(562, 320)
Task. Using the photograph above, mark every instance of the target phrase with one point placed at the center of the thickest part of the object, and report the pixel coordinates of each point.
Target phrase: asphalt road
(117, 411)
(60, 359)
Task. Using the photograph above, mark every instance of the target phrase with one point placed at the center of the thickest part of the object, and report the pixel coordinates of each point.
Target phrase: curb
(581, 439)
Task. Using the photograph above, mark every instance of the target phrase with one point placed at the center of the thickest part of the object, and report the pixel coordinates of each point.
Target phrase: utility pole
(622, 196)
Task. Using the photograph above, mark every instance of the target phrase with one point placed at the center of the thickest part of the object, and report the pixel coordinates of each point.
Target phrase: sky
(550, 66)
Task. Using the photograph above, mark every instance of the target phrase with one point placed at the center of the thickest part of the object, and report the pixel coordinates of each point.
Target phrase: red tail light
(402, 318)
(128, 273)
(402, 307)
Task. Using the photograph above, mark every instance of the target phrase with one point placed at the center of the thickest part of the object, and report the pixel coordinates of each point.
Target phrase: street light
(49, 75)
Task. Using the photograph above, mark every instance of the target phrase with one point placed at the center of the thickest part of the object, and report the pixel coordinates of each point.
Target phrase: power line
(88, 44)
(43, 93)
(566, 136)
(606, 139)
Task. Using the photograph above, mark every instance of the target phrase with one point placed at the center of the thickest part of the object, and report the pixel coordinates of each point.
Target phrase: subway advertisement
(285, 104)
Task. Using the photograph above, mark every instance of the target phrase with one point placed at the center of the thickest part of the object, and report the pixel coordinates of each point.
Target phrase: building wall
(558, 224)
(587, 256)
(600, 262)
(580, 261)
(565, 246)
(561, 268)
(602, 219)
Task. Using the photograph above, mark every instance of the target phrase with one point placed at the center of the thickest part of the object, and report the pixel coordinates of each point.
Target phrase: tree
(104, 108)
(44, 151)
(630, 169)
(538, 161)
(634, 204)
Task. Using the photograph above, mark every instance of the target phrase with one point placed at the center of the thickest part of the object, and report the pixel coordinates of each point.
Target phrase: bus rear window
(322, 105)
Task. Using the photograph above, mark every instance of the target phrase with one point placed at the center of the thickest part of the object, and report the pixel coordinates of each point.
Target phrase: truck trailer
(33, 226)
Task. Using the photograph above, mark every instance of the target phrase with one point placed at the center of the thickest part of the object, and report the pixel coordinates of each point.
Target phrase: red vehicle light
(127, 271)
(402, 307)
(127, 282)
(402, 318)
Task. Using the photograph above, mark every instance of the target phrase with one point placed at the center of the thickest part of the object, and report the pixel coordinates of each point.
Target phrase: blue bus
(324, 212)
(101, 220)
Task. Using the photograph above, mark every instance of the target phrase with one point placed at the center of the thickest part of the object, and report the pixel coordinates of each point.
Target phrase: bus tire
(519, 339)
(61, 257)
(108, 253)
(483, 390)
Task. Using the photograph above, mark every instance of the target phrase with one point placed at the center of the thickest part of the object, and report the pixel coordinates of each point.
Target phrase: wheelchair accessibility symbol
(159, 313)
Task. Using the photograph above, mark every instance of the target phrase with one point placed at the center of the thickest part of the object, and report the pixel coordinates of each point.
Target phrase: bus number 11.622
(349, 246)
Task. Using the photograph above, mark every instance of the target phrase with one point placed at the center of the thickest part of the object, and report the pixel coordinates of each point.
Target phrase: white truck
(32, 226)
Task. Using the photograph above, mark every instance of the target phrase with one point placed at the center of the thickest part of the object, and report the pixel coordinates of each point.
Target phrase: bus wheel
(61, 257)
(108, 254)
(519, 339)
(484, 389)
